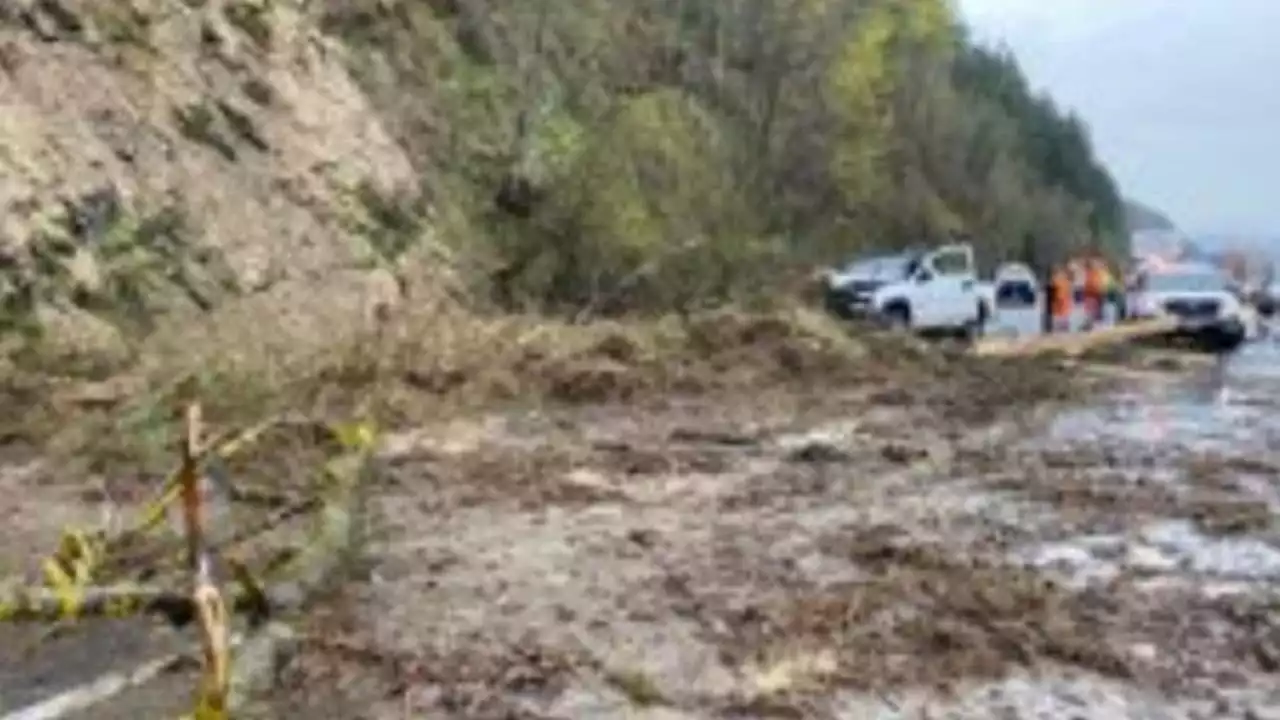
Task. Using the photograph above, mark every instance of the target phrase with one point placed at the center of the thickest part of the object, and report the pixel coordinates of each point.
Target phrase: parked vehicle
(1199, 296)
(926, 291)
(1014, 286)
(1015, 300)
(1267, 300)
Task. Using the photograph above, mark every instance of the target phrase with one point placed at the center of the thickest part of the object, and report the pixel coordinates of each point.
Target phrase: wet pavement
(1234, 404)
(1221, 424)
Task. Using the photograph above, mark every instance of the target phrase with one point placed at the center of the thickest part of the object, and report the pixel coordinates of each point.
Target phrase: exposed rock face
(164, 155)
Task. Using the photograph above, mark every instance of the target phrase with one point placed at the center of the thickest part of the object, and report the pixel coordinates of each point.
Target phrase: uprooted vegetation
(441, 360)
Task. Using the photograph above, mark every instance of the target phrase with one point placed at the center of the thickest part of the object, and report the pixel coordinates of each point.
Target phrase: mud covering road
(891, 550)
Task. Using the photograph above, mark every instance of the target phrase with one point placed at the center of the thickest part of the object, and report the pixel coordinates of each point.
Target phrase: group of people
(1089, 282)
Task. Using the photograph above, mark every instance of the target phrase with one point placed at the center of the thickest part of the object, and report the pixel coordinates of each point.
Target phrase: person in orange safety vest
(1061, 298)
(1094, 289)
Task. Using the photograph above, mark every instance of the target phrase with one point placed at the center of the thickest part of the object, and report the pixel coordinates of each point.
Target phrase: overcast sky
(1183, 96)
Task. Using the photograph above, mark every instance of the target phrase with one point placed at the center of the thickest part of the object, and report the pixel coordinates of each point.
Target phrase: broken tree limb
(44, 605)
(326, 550)
(1074, 343)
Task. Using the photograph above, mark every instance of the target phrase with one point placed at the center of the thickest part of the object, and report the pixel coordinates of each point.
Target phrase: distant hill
(1144, 217)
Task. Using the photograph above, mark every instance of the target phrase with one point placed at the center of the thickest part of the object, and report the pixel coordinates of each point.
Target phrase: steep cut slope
(160, 155)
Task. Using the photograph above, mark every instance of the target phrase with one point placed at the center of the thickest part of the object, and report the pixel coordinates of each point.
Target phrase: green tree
(652, 154)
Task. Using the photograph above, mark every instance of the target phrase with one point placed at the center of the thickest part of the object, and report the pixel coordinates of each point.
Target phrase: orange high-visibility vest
(1093, 280)
(1062, 293)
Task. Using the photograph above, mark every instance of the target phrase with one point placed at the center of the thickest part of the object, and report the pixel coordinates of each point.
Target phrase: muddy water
(847, 566)
(1152, 514)
(1233, 405)
(1168, 491)
(1224, 420)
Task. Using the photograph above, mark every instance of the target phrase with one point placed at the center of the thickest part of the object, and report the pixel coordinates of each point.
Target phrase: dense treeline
(659, 153)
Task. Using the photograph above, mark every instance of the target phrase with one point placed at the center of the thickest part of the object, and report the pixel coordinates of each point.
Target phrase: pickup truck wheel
(897, 316)
(1223, 339)
(837, 303)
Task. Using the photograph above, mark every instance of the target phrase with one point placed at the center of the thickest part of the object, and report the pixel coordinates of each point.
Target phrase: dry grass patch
(415, 364)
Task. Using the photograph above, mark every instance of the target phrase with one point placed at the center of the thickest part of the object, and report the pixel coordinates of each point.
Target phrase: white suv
(1199, 296)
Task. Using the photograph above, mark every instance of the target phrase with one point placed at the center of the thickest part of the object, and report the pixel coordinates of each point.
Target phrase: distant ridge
(1140, 217)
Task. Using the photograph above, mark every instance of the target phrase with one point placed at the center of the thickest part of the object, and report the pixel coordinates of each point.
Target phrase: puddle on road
(1229, 410)
(1171, 549)
(1231, 406)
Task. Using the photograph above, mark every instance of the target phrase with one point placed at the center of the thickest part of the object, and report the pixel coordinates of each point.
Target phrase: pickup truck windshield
(1186, 282)
(881, 268)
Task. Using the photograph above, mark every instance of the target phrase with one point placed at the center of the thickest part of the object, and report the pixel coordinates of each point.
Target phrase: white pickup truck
(929, 291)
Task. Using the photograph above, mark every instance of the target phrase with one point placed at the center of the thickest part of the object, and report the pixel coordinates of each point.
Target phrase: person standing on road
(1113, 293)
(1093, 290)
(1061, 299)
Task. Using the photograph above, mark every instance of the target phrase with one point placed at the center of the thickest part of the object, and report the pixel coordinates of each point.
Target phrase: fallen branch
(41, 605)
(296, 579)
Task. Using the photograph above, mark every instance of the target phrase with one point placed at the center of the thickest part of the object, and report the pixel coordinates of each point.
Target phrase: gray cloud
(1183, 96)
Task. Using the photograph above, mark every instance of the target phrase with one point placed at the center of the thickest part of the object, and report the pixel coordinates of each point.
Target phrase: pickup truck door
(957, 287)
(928, 307)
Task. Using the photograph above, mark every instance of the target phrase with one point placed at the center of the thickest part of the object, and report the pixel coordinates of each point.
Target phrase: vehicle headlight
(1146, 306)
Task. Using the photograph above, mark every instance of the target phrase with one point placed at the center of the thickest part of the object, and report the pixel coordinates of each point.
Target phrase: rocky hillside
(164, 155)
